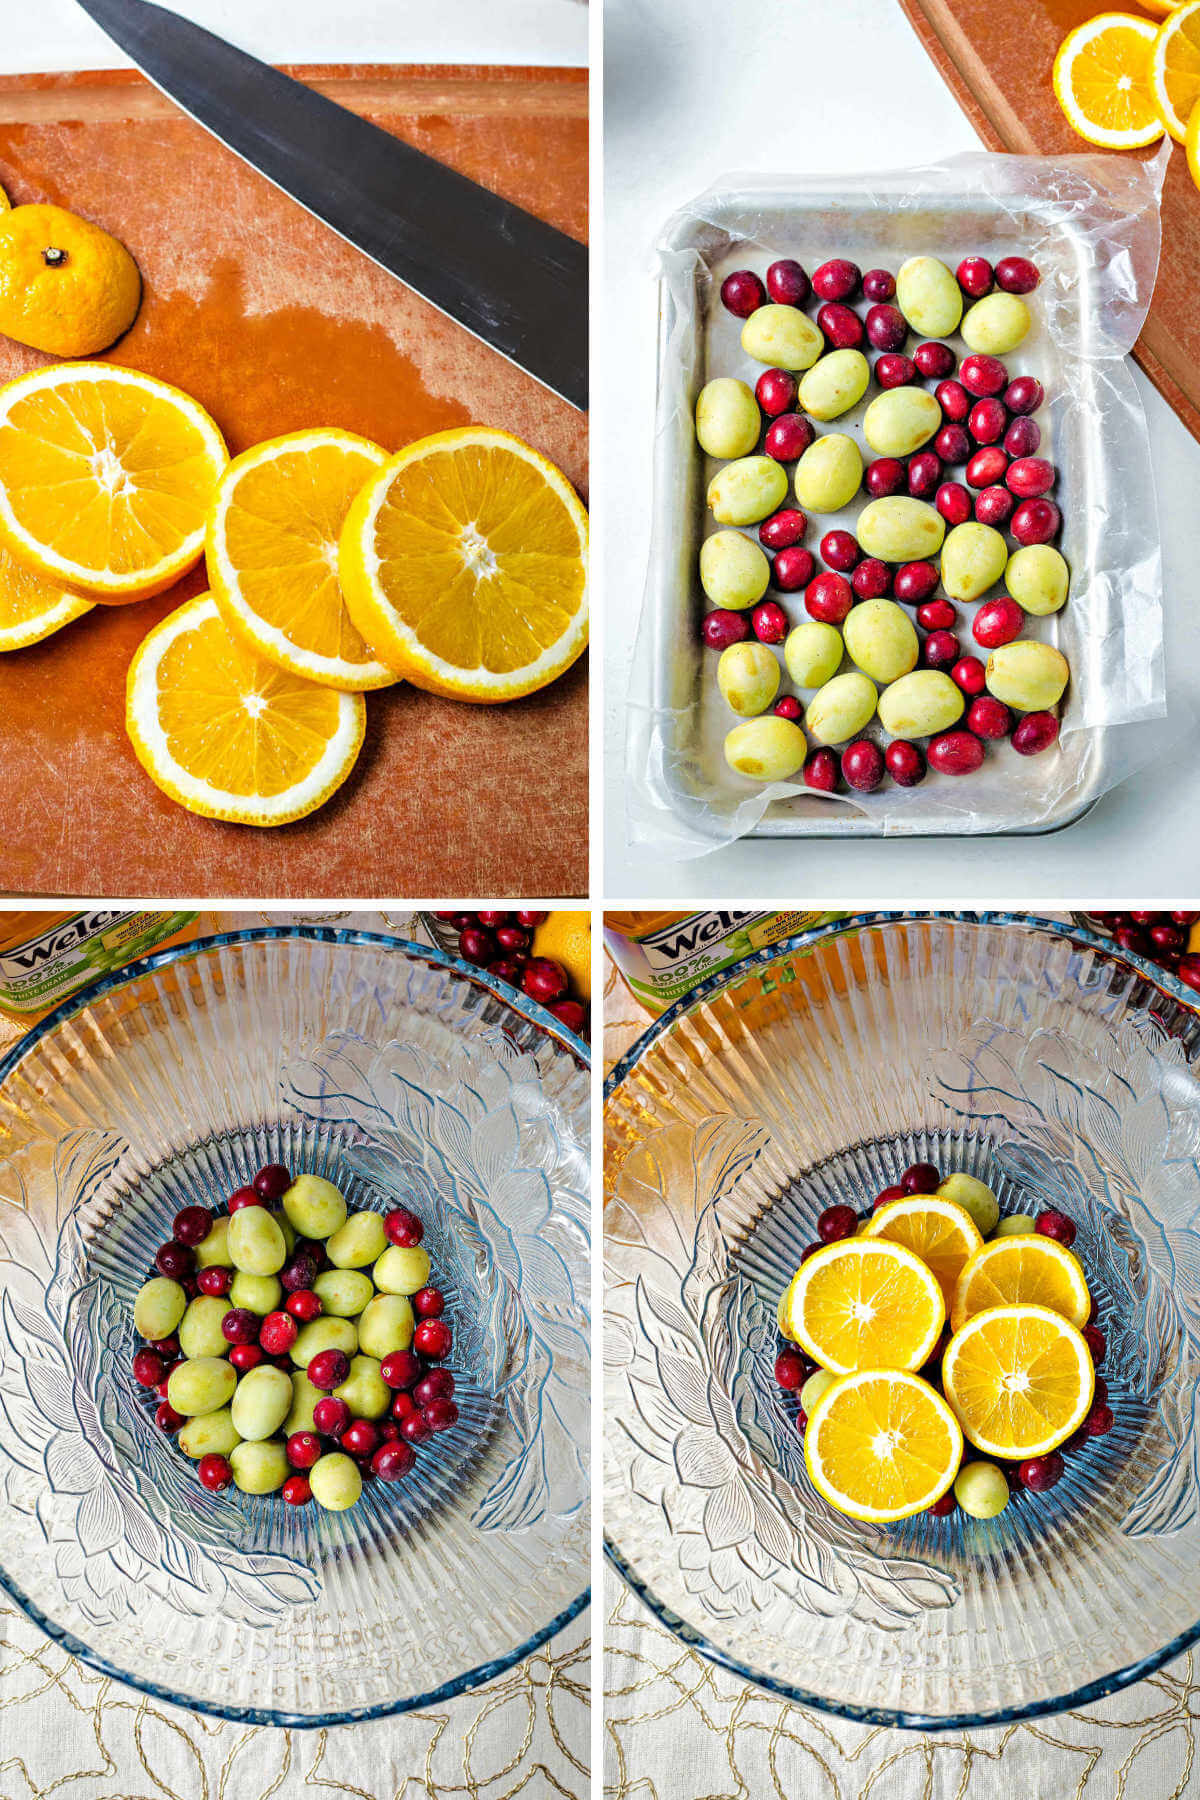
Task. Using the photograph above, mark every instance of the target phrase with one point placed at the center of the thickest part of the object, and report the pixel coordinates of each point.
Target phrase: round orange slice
(1020, 1380)
(1026, 1270)
(1102, 81)
(882, 1444)
(942, 1233)
(865, 1303)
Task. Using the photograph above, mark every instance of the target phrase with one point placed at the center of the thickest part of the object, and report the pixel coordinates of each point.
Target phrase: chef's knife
(515, 282)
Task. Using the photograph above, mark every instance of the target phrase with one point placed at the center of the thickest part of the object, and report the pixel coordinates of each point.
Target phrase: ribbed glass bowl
(404, 1077)
(1027, 1053)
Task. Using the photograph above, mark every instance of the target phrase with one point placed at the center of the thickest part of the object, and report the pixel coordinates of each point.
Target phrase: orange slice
(942, 1233)
(1026, 1270)
(31, 608)
(1020, 1380)
(1175, 68)
(882, 1444)
(865, 1303)
(1102, 81)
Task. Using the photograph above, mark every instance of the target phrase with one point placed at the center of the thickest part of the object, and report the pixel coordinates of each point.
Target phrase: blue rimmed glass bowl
(1031, 1054)
(406, 1077)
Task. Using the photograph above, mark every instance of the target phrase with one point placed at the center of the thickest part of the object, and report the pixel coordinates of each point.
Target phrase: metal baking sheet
(698, 339)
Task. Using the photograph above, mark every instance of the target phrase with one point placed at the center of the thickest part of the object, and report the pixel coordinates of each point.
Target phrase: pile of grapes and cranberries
(501, 943)
(955, 468)
(295, 1347)
(1169, 938)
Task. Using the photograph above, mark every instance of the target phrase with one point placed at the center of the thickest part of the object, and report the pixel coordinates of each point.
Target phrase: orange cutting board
(274, 323)
(997, 58)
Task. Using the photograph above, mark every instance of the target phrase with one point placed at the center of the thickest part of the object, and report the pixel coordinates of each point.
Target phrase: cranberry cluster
(1037, 1473)
(501, 943)
(987, 427)
(424, 1389)
(1161, 937)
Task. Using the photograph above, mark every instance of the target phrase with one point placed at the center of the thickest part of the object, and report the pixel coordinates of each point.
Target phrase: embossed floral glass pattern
(407, 1078)
(1031, 1055)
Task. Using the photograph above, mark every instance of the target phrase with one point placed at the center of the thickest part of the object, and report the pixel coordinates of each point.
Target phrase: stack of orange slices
(1122, 79)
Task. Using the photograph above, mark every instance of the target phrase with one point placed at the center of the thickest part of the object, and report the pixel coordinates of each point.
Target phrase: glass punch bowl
(405, 1077)
(1032, 1055)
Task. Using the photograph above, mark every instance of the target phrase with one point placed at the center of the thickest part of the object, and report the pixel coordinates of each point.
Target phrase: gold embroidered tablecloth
(677, 1727)
(68, 1733)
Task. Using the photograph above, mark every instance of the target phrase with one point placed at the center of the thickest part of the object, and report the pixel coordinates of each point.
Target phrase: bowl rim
(530, 1010)
(1155, 976)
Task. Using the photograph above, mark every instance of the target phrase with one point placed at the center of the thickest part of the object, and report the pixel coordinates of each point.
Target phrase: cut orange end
(1024, 1270)
(882, 1444)
(865, 1303)
(1175, 68)
(31, 608)
(1020, 1380)
(942, 1233)
(1102, 81)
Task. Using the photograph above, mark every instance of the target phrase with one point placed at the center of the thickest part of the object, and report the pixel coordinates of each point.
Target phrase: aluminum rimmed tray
(879, 221)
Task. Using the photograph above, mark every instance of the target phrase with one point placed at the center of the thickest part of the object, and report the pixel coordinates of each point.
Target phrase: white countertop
(832, 85)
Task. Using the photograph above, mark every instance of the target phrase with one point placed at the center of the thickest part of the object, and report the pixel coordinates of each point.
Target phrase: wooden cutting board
(997, 58)
(273, 323)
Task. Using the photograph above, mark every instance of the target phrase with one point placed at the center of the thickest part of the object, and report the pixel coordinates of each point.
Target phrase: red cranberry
(360, 1438)
(776, 390)
(871, 579)
(166, 1418)
(837, 1222)
(492, 919)
(886, 475)
(512, 939)
(841, 325)
(894, 370)
(1030, 477)
(811, 1250)
(1185, 918)
(1024, 395)
(953, 501)
(437, 1385)
(429, 1303)
(1056, 1225)
(1022, 437)
(303, 1449)
(993, 506)
(924, 474)
(190, 1286)
(163, 1390)
(192, 1225)
(983, 375)
(974, 274)
(887, 328)
(278, 1333)
(878, 284)
(953, 444)
(305, 1305)
(790, 1371)
(531, 920)
(788, 437)
(1039, 1473)
(840, 550)
(788, 708)
(940, 650)
(544, 980)
(299, 1273)
(770, 622)
(462, 921)
(389, 1431)
(905, 764)
(245, 1357)
(970, 675)
(403, 1228)
(863, 766)
(720, 629)
(1036, 522)
(954, 401)
(787, 283)
(1128, 937)
(1168, 939)
(440, 1415)
(1096, 1342)
(215, 1281)
(920, 1178)
(240, 1326)
(432, 1338)
(167, 1347)
(214, 1473)
(272, 1183)
(783, 529)
(475, 945)
(897, 1192)
(1099, 1421)
(1100, 1392)
(742, 293)
(821, 773)
(391, 1462)
(987, 421)
(935, 361)
(148, 1368)
(245, 1196)
(403, 1406)
(1036, 732)
(414, 1429)
(1145, 918)
(989, 718)
(937, 615)
(174, 1260)
(986, 467)
(956, 753)
(571, 1014)
(1017, 275)
(296, 1491)
(331, 1416)
(792, 570)
(401, 1369)
(914, 582)
(829, 598)
(836, 279)
(998, 622)
(941, 1509)
(328, 1369)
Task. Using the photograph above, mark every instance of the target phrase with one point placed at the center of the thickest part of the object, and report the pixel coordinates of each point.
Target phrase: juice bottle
(662, 955)
(45, 957)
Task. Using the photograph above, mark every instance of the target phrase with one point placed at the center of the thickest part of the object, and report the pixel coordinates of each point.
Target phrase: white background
(695, 89)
